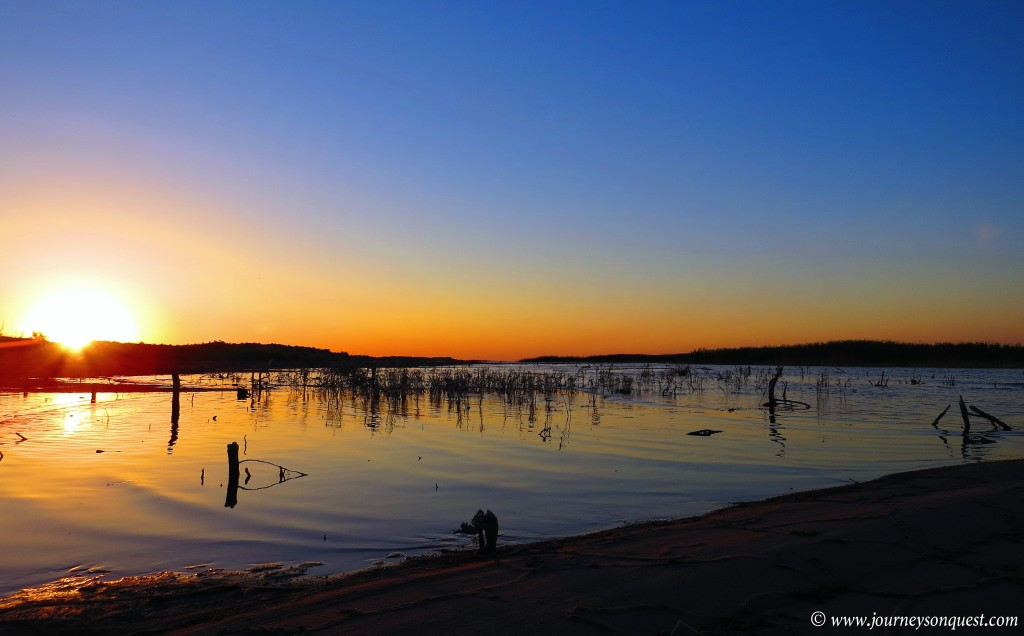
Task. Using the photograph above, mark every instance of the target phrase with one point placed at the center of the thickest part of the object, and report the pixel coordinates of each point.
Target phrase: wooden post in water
(233, 473)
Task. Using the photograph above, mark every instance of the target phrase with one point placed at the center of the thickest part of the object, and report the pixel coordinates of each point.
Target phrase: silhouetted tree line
(843, 353)
(22, 358)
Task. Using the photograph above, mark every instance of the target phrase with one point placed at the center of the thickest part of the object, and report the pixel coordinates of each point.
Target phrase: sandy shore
(939, 542)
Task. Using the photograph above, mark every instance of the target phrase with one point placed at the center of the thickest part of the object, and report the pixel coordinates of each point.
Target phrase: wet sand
(938, 542)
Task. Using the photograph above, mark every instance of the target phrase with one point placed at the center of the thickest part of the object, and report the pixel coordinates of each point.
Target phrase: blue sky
(568, 159)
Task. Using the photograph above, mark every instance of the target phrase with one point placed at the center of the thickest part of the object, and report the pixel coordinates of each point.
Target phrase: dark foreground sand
(941, 542)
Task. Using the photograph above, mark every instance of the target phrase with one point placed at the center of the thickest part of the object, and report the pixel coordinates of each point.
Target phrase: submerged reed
(384, 394)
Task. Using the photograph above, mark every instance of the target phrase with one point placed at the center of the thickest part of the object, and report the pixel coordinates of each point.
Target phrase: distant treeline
(844, 353)
(22, 358)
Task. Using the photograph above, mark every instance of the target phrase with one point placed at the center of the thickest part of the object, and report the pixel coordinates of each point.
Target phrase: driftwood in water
(485, 526)
(967, 417)
(882, 382)
(935, 423)
(773, 401)
(283, 474)
(991, 418)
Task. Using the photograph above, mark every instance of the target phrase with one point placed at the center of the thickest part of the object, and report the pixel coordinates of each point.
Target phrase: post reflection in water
(175, 410)
(175, 416)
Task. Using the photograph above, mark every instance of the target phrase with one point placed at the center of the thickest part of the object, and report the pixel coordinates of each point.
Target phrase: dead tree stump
(485, 526)
(772, 402)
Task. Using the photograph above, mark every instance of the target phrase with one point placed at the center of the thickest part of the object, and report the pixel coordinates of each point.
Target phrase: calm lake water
(336, 479)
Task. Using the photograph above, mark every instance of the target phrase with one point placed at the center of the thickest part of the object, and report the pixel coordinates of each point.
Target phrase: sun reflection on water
(73, 418)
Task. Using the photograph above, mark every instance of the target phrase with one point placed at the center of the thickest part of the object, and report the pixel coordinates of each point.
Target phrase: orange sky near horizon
(424, 322)
(428, 182)
(189, 272)
(197, 285)
(189, 275)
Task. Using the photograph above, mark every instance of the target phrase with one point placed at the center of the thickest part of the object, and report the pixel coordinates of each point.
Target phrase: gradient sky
(505, 179)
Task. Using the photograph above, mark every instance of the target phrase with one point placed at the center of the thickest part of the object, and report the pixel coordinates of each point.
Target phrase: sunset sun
(76, 316)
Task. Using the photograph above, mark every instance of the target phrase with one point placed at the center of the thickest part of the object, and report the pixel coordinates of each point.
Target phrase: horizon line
(620, 354)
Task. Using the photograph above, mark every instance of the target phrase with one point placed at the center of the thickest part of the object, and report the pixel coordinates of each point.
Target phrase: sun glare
(75, 316)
